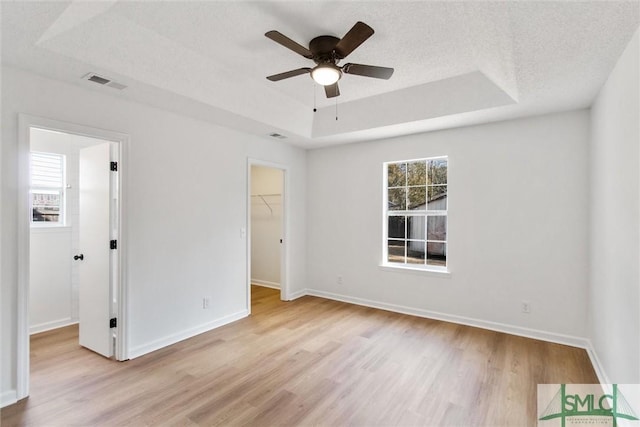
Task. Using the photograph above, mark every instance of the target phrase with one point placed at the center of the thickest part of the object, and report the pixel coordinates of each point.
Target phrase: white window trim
(430, 270)
(433, 270)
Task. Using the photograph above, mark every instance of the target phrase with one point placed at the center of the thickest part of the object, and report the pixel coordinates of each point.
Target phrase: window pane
(437, 200)
(417, 190)
(396, 227)
(415, 252)
(437, 171)
(397, 199)
(45, 206)
(395, 251)
(415, 227)
(397, 174)
(417, 173)
(437, 254)
(417, 198)
(437, 228)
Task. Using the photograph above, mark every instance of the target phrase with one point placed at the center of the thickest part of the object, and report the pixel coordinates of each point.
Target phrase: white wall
(517, 225)
(187, 193)
(614, 303)
(50, 292)
(266, 225)
(52, 298)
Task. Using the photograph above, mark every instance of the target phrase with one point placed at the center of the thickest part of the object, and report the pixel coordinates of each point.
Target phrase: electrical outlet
(206, 301)
(526, 307)
(339, 280)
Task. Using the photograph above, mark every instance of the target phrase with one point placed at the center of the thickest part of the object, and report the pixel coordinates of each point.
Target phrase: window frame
(406, 213)
(61, 190)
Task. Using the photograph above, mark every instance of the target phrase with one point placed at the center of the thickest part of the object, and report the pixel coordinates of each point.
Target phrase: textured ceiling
(455, 63)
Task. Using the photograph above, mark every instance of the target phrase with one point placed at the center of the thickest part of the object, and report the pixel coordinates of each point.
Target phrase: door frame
(284, 247)
(25, 122)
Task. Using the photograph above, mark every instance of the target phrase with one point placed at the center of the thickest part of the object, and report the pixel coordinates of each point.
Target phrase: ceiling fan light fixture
(326, 74)
(326, 51)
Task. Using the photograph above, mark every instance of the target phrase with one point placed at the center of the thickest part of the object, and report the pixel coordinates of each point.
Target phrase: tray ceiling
(456, 63)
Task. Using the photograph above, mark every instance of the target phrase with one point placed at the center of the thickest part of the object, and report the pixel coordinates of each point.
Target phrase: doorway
(267, 221)
(75, 216)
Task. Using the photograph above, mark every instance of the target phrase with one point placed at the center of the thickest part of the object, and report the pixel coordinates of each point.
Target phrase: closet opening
(266, 223)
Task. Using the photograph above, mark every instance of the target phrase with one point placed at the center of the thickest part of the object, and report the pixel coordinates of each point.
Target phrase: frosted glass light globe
(326, 74)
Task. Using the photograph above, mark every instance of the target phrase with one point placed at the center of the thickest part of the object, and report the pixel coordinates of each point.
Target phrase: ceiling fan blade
(354, 38)
(287, 74)
(288, 43)
(332, 90)
(368, 71)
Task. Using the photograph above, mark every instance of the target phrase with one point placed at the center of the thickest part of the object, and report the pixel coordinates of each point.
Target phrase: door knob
(78, 257)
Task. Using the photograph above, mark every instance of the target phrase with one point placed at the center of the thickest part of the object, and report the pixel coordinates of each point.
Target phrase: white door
(95, 283)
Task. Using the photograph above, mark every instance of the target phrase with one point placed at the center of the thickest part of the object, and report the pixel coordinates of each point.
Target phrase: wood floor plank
(307, 362)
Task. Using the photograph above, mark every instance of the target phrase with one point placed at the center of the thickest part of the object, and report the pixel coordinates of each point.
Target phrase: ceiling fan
(326, 52)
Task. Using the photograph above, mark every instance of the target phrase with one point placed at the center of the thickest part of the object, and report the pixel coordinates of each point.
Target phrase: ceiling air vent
(98, 79)
(277, 135)
(93, 77)
(116, 85)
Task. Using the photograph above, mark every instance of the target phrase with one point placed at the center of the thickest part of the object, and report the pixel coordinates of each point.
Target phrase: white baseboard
(265, 283)
(478, 323)
(181, 336)
(8, 398)
(47, 326)
(297, 294)
(603, 378)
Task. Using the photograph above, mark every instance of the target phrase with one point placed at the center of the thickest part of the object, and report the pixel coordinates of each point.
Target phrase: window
(415, 213)
(47, 188)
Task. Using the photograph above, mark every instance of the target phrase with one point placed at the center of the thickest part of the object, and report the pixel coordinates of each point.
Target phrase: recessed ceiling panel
(211, 58)
(455, 95)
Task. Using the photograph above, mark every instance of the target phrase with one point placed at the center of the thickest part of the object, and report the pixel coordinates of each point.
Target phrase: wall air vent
(93, 77)
(277, 135)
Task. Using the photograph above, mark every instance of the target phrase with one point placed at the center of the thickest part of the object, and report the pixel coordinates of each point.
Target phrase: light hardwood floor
(307, 362)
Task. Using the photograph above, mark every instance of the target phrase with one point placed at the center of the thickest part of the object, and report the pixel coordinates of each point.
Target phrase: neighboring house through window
(415, 214)
(47, 188)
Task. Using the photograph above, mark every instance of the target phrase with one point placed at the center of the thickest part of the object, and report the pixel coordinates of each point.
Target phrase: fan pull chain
(315, 87)
(336, 108)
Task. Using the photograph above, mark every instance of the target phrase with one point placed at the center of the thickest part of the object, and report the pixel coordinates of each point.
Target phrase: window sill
(50, 228)
(436, 272)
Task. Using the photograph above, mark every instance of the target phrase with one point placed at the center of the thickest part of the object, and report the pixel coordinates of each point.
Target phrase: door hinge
(113, 322)
(114, 166)
(113, 244)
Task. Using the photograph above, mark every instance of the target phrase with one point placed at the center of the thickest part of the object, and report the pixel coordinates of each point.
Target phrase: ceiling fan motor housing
(323, 49)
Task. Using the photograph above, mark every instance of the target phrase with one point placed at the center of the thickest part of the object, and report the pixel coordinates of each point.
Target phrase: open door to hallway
(70, 238)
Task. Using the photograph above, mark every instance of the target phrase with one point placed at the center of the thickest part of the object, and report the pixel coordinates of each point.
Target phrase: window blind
(47, 170)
